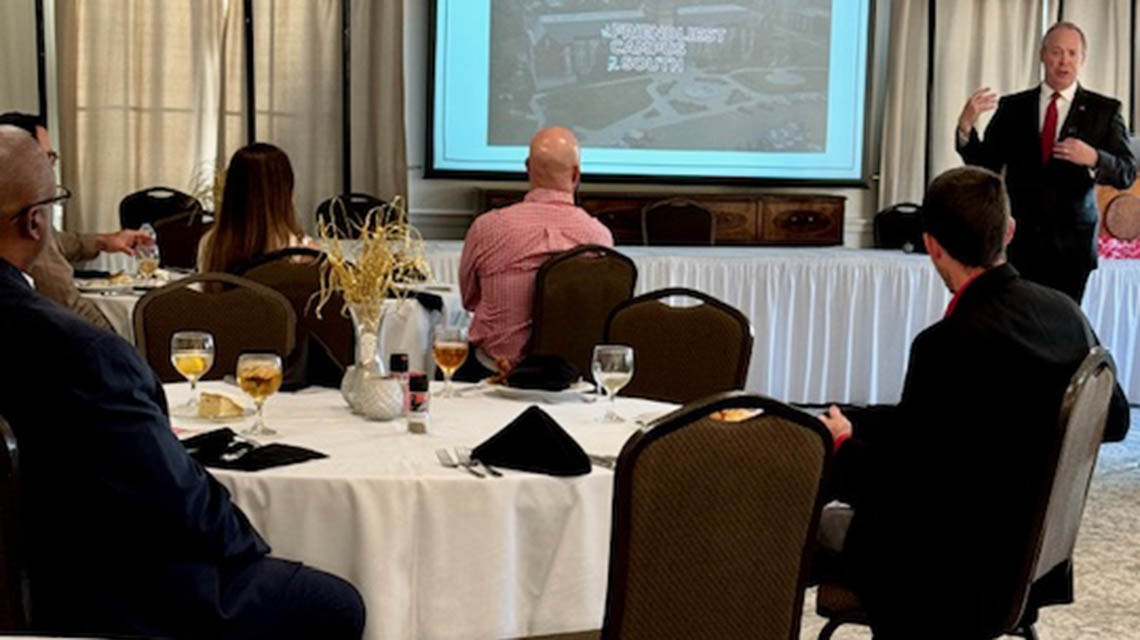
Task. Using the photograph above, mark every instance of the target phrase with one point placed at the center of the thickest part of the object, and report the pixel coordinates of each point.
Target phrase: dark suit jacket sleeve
(131, 449)
(1115, 165)
(986, 153)
(879, 432)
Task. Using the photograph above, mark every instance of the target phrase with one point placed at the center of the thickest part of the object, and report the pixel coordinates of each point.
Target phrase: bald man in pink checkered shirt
(504, 248)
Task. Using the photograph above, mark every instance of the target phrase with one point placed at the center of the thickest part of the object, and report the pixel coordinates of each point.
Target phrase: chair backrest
(1122, 217)
(623, 221)
(296, 274)
(154, 204)
(14, 602)
(714, 522)
(349, 213)
(677, 221)
(178, 238)
(574, 293)
(241, 314)
(682, 353)
(1077, 439)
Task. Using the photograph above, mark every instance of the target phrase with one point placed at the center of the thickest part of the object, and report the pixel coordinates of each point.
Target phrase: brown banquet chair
(677, 221)
(178, 238)
(1076, 439)
(682, 353)
(153, 204)
(241, 314)
(295, 273)
(575, 291)
(348, 211)
(714, 523)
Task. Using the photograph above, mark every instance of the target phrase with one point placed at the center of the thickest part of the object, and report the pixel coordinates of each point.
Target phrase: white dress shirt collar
(1066, 95)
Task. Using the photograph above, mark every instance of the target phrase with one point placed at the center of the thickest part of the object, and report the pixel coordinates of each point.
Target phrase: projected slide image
(749, 75)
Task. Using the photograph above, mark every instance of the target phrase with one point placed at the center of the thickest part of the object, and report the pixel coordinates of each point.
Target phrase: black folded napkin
(429, 301)
(552, 373)
(533, 441)
(89, 274)
(311, 364)
(222, 448)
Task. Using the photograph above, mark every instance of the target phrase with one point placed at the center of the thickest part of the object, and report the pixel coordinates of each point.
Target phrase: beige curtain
(979, 43)
(902, 160)
(379, 149)
(1108, 63)
(297, 78)
(139, 99)
(19, 82)
(1135, 123)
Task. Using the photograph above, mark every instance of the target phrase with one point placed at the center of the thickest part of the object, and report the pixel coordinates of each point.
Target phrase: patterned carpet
(1107, 559)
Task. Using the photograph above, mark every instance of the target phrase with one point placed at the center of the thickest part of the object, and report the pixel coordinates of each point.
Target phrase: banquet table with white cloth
(406, 328)
(835, 324)
(437, 553)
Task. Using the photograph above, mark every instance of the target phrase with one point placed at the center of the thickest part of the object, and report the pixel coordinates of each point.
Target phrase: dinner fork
(446, 460)
(464, 455)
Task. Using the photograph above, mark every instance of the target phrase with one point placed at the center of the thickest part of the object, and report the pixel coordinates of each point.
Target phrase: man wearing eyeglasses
(52, 272)
(123, 533)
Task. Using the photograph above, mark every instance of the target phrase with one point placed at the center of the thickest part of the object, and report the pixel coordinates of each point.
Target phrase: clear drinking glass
(146, 261)
(259, 375)
(613, 369)
(192, 354)
(450, 351)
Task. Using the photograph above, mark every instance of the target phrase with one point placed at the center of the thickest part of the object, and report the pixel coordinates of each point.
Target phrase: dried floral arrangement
(391, 254)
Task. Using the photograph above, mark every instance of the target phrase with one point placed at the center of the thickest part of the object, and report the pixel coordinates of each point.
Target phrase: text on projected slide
(744, 76)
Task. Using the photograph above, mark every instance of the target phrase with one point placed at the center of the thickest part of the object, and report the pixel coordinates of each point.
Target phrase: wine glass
(450, 350)
(192, 354)
(259, 375)
(613, 369)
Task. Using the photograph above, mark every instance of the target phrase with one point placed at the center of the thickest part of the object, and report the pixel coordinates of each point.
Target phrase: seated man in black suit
(942, 483)
(125, 533)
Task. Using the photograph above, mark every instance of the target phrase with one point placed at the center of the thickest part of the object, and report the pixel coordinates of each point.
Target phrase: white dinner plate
(576, 391)
(102, 285)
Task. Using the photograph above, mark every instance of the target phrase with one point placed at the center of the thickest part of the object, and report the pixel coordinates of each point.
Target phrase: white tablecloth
(407, 327)
(836, 324)
(436, 552)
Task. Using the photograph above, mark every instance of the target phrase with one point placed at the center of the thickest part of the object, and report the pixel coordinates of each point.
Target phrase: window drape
(978, 43)
(1108, 63)
(903, 156)
(152, 93)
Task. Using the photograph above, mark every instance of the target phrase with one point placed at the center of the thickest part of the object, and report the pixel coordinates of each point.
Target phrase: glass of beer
(259, 375)
(450, 351)
(613, 369)
(192, 354)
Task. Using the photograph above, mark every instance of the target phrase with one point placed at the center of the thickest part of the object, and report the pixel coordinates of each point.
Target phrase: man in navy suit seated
(125, 533)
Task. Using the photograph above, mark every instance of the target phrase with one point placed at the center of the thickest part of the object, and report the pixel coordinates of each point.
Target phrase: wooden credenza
(751, 219)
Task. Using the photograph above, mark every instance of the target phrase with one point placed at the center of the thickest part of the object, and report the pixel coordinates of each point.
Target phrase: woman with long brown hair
(256, 215)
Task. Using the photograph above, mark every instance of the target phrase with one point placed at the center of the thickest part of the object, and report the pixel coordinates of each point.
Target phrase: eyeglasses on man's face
(61, 195)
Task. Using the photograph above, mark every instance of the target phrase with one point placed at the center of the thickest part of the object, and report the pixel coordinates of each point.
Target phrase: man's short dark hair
(25, 121)
(1065, 24)
(966, 210)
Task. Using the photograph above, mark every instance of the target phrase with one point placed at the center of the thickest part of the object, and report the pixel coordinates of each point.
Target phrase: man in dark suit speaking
(1054, 142)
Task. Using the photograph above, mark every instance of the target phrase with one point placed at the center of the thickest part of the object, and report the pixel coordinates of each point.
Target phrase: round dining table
(436, 552)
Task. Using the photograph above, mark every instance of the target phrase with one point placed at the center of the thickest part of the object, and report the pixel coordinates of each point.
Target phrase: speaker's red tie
(1049, 131)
